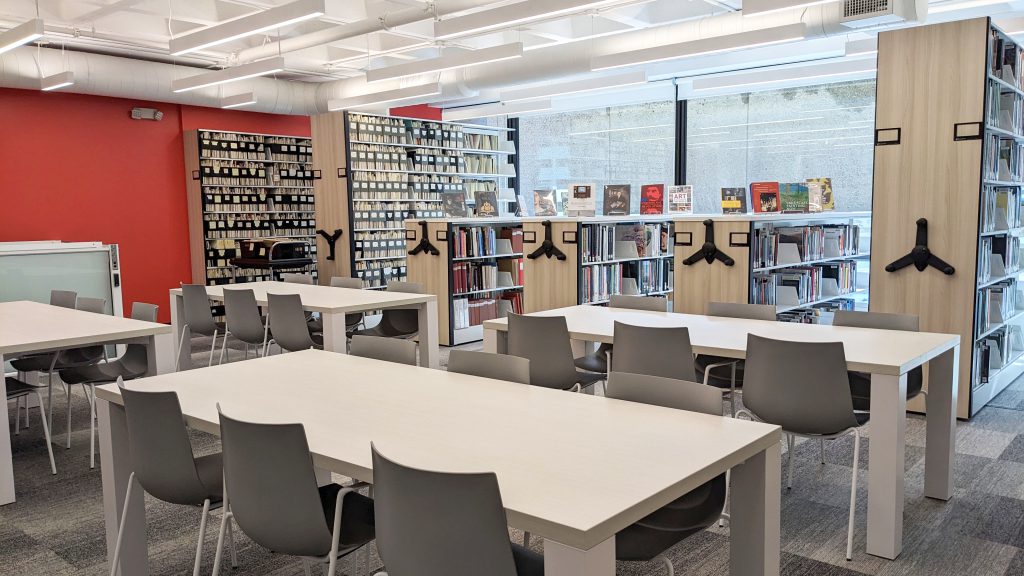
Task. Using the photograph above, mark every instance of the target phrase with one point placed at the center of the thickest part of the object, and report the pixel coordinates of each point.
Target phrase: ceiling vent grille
(870, 13)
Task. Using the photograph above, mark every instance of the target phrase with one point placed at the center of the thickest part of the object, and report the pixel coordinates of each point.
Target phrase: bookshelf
(477, 274)
(602, 256)
(242, 185)
(970, 75)
(391, 169)
(807, 265)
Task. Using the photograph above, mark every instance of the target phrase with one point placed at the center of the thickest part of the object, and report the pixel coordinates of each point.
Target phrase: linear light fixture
(60, 80)
(576, 87)
(450, 59)
(242, 72)
(361, 101)
(712, 45)
(21, 35)
(238, 100)
(752, 7)
(509, 16)
(785, 75)
(497, 109)
(270, 19)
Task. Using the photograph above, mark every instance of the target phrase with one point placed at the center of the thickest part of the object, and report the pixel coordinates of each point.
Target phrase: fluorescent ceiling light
(450, 59)
(577, 87)
(269, 19)
(498, 109)
(863, 47)
(954, 6)
(712, 45)
(784, 75)
(759, 123)
(242, 72)
(510, 16)
(21, 35)
(752, 7)
(56, 81)
(421, 91)
(238, 100)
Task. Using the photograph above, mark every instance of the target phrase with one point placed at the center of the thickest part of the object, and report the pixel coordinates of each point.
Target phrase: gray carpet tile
(56, 526)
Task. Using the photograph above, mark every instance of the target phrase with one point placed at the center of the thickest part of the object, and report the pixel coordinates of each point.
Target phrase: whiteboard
(31, 275)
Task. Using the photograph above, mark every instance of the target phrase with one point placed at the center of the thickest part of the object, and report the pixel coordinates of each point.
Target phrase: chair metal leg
(116, 558)
(46, 433)
(202, 536)
(853, 494)
(721, 519)
(231, 544)
(213, 346)
(17, 414)
(27, 425)
(526, 539)
(224, 522)
(49, 398)
(668, 564)
(822, 450)
(181, 344)
(791, 441)
(305, 567)
(732, 390)
(223, 348)
(67, 388)
(90, 392)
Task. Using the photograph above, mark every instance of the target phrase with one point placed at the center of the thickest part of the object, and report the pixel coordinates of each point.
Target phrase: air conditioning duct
(872, 13)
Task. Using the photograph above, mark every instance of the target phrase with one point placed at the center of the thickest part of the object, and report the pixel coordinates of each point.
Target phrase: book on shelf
(734, 200)
(826, 198)
(680, 199)
(652, 199)
(467, 312)
(581, 201)
(486, 204)
(794, 197)
(617, 199)
(765, 196)
(544, 203)
(515, 238)
(454, 204)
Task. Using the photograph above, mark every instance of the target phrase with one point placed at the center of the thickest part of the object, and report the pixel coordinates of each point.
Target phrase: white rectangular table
(33, 327)
(332, 304)
(886, 354)
(573, 469)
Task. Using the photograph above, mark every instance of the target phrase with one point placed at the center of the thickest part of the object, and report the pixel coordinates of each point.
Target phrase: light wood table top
(327, 299)
(27, 326)
(572, 467)
(891, 352)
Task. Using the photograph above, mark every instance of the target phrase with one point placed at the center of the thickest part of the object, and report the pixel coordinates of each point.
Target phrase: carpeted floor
(56, 526)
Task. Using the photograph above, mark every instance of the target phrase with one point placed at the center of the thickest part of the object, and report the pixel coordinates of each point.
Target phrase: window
(786, 136)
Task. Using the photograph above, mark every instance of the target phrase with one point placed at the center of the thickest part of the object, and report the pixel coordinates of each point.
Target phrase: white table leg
(6, 461)
(886, 477)
(496, 341)
(940, 442)
(335, 339)
(177, 322)
(754, 508)
(562, 560)
(430, 356)
(115, 468)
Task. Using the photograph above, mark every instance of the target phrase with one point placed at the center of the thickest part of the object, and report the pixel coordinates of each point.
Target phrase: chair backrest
(664, 352)
(159, 448)
(242, 315)
(63, 298)
(288, 322)
(747, 311)
(666, 392)
(401, 321)
(135, 355)
(408, 287)
(488, 365)
(439, 524)
(544, 341)
(294, 278)
(346, 282)
(272, 487)
(879, 320)
(386, 349)
(197, 309)
(629, 302)
(95, 305)
(801, 386)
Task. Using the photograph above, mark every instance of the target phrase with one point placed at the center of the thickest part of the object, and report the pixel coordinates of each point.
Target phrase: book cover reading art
(680, 199)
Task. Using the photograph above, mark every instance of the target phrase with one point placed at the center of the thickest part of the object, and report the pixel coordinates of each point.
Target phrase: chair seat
(357, 523)
(585, 379)
(107, 372)
(665, 527)
(528, 562)
(16, 388)
(384, 332)
(318, 339)
(862, 417)
(860, 387)
(34, 363)
(596, 361)
(315, 325)
(211, 473)
(719, 377)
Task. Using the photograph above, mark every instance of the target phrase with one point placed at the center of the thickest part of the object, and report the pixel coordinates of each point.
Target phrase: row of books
(1005, 59)
(603, 242)
(805, 284)
(996, 351)
(1004, 159)
(1000, 208)
(998, 256)
(783, 245)
(819, 313)
(485, 204)
(483, 241)
(1005, 109)
(646, 277)
(486, 275)
(581, 200)
(996, 304)
(812, 195)
(389, 130)
(379, 273)
(468, 312)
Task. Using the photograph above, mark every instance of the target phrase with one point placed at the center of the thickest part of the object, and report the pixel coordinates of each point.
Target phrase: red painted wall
(78, 168)
(423, 111)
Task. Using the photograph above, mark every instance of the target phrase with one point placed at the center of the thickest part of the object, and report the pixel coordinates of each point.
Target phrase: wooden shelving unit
(384, 170)
(804, 264)
(949, 133)
(243, 185)
(467, 273)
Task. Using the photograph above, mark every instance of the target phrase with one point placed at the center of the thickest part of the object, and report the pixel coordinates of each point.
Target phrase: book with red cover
(765, 196)
(652, 199)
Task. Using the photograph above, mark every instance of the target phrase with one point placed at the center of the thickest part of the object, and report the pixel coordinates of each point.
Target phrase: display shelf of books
(402, 169)
(808, 265)
(242, 186)
(477, 274)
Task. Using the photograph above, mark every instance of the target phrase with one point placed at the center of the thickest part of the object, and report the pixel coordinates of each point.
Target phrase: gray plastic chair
(244, 321)
(723, 372)
(134, 363)
(198, 319)
(597, 361)
(77, 358)
(664, 352)
(444, 524)
(649, 538)
(811, 401)
(544, 341)
(19, 392)
(355, 320)
(395, 350)
(287, 324)
(398, 322)
(488, 365)
(860, 383)
(313, 322)
(297, 278)
(271, 492)
(163, 464)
